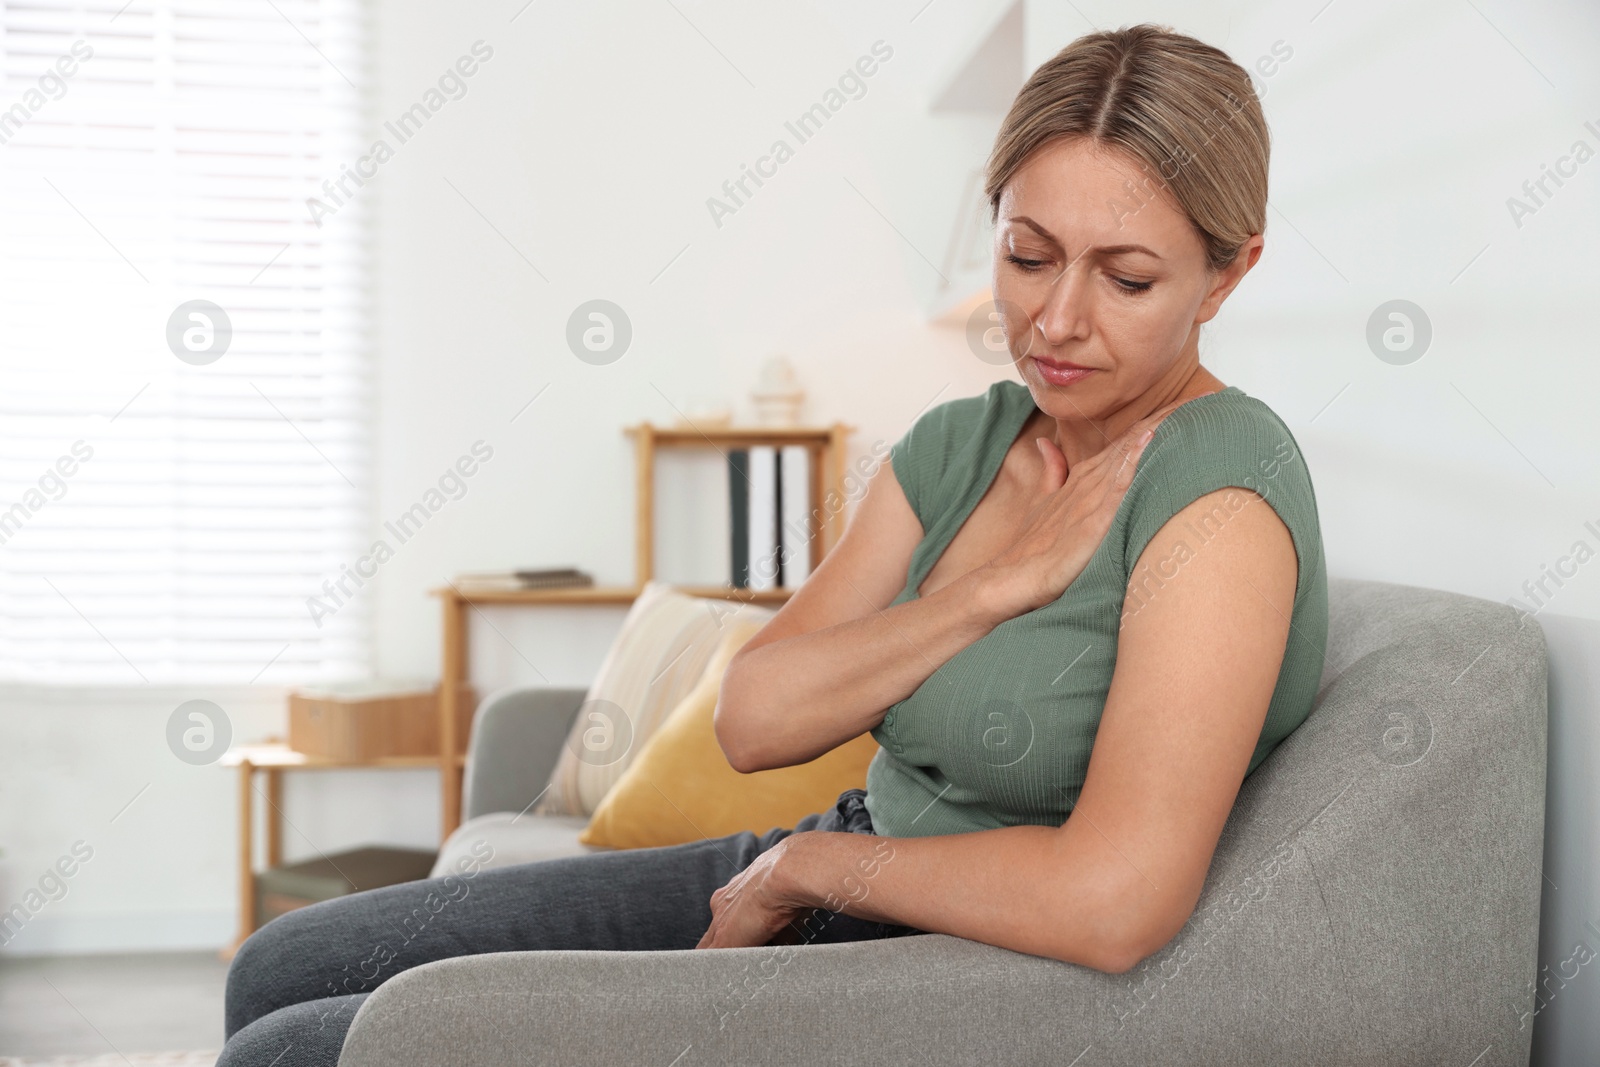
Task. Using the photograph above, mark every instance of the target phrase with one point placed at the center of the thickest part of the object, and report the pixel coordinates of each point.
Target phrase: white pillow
(666, 641)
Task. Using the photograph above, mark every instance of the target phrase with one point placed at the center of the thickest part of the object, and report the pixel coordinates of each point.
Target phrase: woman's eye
(1029, 265)
(1133, 286)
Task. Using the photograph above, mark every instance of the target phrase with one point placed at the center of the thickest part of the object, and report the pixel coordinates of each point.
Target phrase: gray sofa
(1375, 899)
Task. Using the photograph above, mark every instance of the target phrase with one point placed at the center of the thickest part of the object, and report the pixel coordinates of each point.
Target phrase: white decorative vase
(777, 395)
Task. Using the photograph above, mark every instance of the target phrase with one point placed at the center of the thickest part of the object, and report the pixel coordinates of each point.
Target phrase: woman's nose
(1064, 314)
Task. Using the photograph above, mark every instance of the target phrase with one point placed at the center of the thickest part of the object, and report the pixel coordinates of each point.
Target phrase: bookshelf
(826, 448)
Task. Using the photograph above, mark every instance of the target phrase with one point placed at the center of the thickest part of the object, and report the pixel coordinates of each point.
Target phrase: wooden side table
(273, 759)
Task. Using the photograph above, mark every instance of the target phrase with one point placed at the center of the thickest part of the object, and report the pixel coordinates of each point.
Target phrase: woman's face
(1093, 267)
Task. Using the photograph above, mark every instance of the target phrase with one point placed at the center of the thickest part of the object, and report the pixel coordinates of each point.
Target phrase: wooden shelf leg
(816, 510)
(644, 496)
(247, 871)
(274, 814)
(453, 673)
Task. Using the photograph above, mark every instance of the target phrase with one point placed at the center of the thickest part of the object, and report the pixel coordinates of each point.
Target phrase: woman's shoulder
(1230, 431)
(956, 420)
(948, 435)
(1217, 441)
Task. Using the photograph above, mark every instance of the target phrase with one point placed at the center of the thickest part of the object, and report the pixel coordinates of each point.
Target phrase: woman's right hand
(1063, 531)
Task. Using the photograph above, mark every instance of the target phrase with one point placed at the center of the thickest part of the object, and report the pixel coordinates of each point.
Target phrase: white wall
(592, 148)
(587, 146)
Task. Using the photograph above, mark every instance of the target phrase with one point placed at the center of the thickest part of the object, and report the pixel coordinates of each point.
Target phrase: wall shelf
(826, 445)
(599, 594)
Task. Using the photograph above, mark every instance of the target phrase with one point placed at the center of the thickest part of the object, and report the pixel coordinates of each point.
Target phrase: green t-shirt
(1000, 734)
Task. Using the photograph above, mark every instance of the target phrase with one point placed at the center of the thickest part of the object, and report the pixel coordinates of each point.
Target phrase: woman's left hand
(758, 902)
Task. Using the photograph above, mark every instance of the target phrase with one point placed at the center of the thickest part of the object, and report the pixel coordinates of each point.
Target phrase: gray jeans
(295, 985)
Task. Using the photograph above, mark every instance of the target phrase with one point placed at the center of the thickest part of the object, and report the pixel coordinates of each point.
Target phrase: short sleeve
(1206, 446)
(945, 443)
(911, 459)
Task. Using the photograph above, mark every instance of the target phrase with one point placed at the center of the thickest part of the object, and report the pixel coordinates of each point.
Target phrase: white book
(795, 533)
(763, 525)
(691, 526)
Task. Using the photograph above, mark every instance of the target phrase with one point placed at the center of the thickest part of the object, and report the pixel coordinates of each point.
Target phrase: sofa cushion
(504, 838)
(682, 788)
(658, 656)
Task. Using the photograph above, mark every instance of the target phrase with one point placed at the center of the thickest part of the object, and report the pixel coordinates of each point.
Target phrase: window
(183, 456)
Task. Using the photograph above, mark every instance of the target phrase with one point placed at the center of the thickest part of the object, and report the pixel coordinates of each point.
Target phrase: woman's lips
(1059, 373)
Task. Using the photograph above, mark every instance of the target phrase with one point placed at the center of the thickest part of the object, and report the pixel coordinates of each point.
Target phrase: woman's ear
(1225, 280)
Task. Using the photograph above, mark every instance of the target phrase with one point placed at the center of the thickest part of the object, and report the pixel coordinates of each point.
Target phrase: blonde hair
(1183, 110)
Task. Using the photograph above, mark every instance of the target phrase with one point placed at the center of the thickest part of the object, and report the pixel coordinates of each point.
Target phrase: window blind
(165, 511)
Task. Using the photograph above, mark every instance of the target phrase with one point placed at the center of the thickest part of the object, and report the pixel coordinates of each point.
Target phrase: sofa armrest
(899, 1000)
(517, 736)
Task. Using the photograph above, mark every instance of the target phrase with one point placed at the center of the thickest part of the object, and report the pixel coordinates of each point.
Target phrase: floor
(111, 1006)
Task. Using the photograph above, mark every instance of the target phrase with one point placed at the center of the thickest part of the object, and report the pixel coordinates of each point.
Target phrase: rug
(132, 1059)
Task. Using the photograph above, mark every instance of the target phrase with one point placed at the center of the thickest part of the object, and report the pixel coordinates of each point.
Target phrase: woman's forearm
(793, 699)
(1041, 890)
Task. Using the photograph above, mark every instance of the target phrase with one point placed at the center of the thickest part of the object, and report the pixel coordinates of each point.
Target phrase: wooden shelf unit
(826, 445)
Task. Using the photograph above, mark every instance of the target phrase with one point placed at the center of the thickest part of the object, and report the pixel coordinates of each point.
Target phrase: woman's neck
(1079, 438)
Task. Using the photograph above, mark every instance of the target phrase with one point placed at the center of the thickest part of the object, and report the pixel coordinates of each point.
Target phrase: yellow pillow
(680, 787)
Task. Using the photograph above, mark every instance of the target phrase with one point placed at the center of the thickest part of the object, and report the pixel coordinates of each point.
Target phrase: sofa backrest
(1392, 843)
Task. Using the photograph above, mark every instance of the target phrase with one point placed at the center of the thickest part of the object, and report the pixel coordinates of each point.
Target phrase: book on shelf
(769, 493)
(739, 511)
(547, 578)
(794, 507)
(761, 525)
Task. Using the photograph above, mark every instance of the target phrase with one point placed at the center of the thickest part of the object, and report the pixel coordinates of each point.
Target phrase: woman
(1075, 611)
